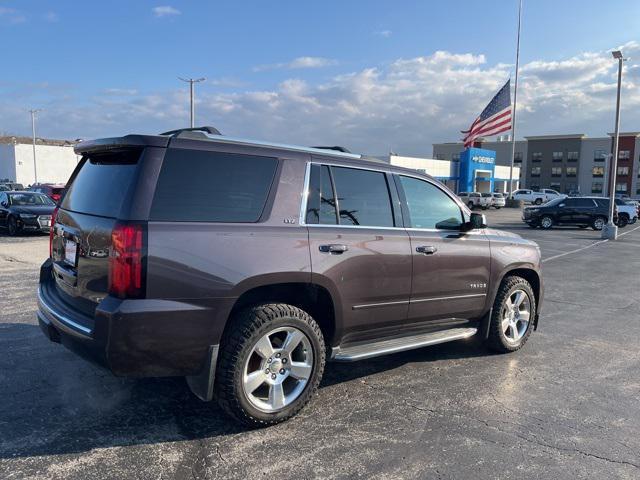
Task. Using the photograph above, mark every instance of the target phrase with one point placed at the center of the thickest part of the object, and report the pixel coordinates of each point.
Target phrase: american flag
(494, 119)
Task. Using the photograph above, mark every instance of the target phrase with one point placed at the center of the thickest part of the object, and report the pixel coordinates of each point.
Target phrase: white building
(55, 160)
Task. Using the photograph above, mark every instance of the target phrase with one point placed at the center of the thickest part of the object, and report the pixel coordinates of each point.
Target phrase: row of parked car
(483, 200)
(31, 209)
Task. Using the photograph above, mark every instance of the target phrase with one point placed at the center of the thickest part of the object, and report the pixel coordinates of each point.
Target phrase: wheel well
(530, 276)
(313, 299)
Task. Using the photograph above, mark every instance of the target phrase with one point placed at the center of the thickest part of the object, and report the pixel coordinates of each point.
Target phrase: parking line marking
(585, 248)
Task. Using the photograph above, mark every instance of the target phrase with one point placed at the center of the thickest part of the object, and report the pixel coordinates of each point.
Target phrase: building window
(535, 171)
(556, 171)
(572, 171)
(455, 157)
(571, 187)
(598, 171)
(623, 154)
(623, 171)
(599, 155)
(536, 156)
(535, 187)
(596, 187)
(439, 156)
(554, 186)
(621, 188)
(557, 156)
(573, 156)
(517, 157)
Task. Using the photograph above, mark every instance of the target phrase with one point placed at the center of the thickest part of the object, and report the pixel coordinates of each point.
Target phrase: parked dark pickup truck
(274, 260)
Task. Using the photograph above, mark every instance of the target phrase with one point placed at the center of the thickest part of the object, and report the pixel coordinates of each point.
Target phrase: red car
(51, 190)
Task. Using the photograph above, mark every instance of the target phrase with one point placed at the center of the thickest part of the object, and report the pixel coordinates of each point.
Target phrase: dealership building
(55, 160)
(567, 163)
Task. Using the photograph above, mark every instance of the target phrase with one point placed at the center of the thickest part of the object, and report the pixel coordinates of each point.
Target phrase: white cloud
(405, 105)
(384, 33)
(298, 63)
(11, 15)
(165, 11)
(51, 17)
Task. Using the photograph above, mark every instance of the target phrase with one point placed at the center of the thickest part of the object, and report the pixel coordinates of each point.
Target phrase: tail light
(126, 258)
(54, 215)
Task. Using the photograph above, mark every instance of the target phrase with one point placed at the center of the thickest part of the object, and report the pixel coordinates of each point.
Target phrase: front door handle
(426, 249)
(334, 248)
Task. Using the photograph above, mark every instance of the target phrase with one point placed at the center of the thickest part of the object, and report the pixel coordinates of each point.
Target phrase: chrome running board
(383, 347)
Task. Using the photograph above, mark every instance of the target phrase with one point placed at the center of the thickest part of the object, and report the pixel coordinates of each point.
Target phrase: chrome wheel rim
(278, 369)
(599, 223)
(546, 222)
(516, 314)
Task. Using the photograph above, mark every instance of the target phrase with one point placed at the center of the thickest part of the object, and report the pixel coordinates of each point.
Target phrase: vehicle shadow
(55, 403)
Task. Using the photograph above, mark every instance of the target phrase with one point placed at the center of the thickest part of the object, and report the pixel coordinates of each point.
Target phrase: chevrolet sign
(482, 159)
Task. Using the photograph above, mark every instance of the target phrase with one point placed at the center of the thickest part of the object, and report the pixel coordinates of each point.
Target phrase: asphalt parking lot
(565, 406)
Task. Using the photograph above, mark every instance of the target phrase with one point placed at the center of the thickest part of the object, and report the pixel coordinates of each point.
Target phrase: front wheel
(514, 311)
(470, 205)
(12, 226)
(623, 221)
(546, 222)
(271, 361)
(538, 201)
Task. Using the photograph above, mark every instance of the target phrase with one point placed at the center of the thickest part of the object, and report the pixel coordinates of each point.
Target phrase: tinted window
(430, 207)
(363, 197)
(321, 206)
(578, 202)
(197, 186)
(102, 183)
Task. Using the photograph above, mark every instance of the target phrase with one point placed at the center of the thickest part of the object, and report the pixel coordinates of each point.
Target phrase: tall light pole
(191, 81)
(515, 104)
(610, 231)
(33, 133)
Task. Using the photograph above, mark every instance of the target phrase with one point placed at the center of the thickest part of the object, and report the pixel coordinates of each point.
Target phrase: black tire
(12, 227)
(470, 205)
(538, 201)
(498, 208)
(246, 328)
(497, 340)
(598, 223)
(623, 221)
(546, 222)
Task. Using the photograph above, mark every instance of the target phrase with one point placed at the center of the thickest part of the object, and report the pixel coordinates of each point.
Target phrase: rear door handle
(334, 248)
(426, 249)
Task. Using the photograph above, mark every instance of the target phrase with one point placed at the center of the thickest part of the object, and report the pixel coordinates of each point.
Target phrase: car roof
(212, 140)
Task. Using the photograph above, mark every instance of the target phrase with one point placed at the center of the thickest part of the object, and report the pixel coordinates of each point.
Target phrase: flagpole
(515, 103)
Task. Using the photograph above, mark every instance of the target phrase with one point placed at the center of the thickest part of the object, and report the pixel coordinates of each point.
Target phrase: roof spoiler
(179, 131)
(337, 148)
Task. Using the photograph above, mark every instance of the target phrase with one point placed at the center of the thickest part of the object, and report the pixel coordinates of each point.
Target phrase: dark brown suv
(244, 266)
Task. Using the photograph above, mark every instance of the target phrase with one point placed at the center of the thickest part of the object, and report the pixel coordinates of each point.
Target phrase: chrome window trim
(419, 300)
(302, 220)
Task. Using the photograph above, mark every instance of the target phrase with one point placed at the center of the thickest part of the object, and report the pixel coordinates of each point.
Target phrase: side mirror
(477, 221)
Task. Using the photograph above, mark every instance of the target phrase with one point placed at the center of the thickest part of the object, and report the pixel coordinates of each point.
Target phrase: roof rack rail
(337, 148)
(205, 129)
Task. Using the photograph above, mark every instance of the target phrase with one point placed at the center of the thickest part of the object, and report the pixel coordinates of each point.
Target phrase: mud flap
(202, 384)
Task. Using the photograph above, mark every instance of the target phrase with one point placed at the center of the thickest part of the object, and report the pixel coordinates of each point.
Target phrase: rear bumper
(136, 338)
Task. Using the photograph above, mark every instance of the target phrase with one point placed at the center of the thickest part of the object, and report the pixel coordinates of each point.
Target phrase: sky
(373, 76)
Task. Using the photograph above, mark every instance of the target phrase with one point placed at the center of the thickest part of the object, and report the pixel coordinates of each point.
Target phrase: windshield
(30, 199)
(554, 202)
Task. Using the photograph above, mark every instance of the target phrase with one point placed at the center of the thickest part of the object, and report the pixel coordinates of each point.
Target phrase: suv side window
(321, 206)
(202, 186)
(430, 207)
(362, 197)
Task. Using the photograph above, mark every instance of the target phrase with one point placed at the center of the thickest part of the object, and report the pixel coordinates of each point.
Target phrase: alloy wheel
(516, 315)
(278, 369)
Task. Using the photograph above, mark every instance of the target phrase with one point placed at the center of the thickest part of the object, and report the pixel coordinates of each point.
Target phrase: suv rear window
(102, 183)
(200, 186)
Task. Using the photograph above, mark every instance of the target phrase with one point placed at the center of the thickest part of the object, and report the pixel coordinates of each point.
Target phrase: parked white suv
(530, 196)
(498, 200)
(475, 199)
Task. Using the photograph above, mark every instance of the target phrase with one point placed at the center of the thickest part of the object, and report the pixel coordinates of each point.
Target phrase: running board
(368, 350)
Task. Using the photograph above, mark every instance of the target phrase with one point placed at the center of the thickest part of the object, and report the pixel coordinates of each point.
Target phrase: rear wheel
(470, 205)
(538, 201)
(598, 223)
(546, 222)
(623, 221)
(513, 314)
(271, 363)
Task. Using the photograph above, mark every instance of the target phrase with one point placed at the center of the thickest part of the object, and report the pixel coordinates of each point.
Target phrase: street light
(610, 231)
(33, 132)
(191, 81)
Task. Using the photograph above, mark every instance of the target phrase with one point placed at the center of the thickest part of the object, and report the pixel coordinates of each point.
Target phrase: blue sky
(372, 75)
